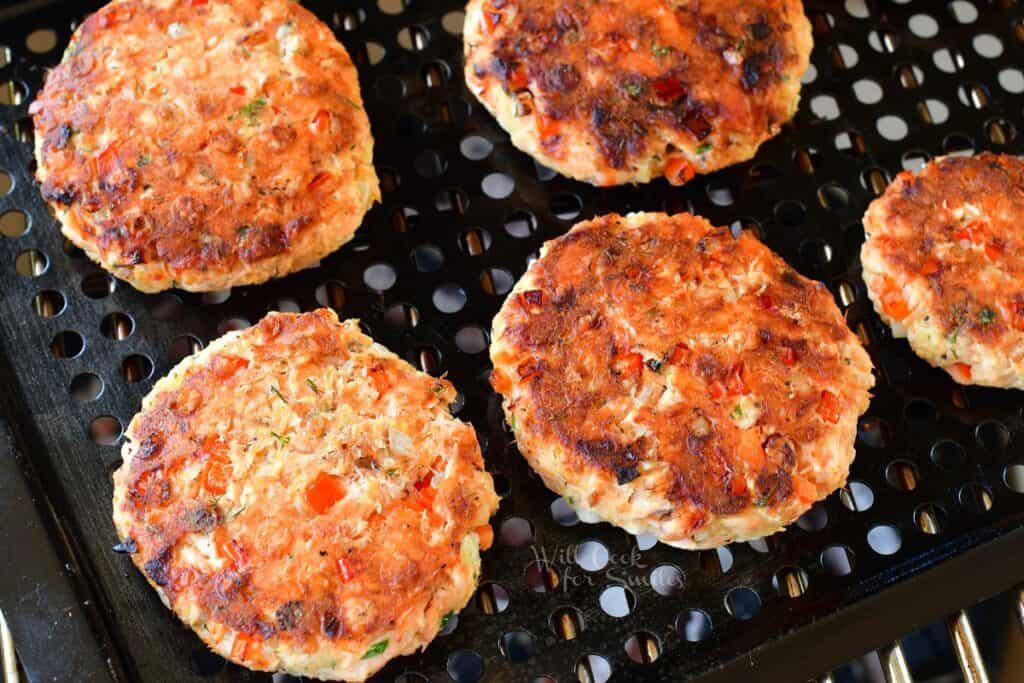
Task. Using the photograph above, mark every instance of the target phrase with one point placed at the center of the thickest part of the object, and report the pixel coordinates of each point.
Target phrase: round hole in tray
(992, 435)
(694, 625)
(987, 45)
(930, 518)
(453, 22)
(743, 603)
(430, 164)
(41, 40)
(593, 669)
(617, 601)
(465, 666)
(449, 298)
(645, 541)
(1013, 477)
(520, 224)
(667, 579)
(516, 532)
(975, 498)
(566, 623)
(471, 339)
(496, 281)
(837, 560)
(563, 514)
(330, 294)
(760, 545)
(183, 346)
(492, 598)
(98, 285)
(715, 562)
(643, 647)
(475, 241)
(86, 387)
(920, 411)
(592, 555)
(814, 519)
(885, 539)
(215, 297)
(1000, 131)
(963, 11)
(867, 91)
(1012, 80)
(541, 577)
(67, 344)
(380, 277)
(105, 430)
(14, 223)
(902, 475)
(923, 26)
(857, 9)
(873, 432)
(117, 326)
(234, 324)
(857, 496)
(566, 206)
(167, 306)
(790, 212)
(948, 454)
(136, 368)
(498, 185)
(791, 582)
(407, 677)
(476, 147)
(49, 303)
(517, 646)
(31, 263)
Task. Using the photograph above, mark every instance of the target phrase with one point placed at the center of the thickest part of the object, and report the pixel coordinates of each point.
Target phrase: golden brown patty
(302, 498)
(944, 265)
(679, 382)
(204, 144)
(624, 92)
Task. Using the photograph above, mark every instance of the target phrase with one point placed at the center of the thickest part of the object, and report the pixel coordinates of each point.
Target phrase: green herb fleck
(660, 50)
(251, 111)
(568, 499)
(445, 619)
(512, 421)
(283, 440)
(740, 45)
(313, 386)
(144, 159)
(632, 88)
(241, 230)
(276, 392)
(704, 148)
(737, 412)
(437, 388)
(987, 316)
(391, 471)
(376, 649)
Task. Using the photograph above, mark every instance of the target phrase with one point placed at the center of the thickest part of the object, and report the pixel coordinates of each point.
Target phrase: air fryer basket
(931, 518)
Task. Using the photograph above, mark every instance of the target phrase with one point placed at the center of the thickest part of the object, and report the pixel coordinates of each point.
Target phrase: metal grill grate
(939, 472)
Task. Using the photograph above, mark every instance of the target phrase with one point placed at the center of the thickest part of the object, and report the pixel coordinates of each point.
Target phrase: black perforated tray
(892, 84)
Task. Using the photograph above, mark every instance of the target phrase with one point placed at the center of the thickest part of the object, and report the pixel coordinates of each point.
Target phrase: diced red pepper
(734, 381)
(678, 354)
(529, 369)
(737, 485)
(199, 3)
(669, 88)
(107, 161)
(224, 367)
(972, 232)
(930, 266)
(244, 646)
(629, 364)
(993, 250)
(492, 18)
(321, 180)
(893, 303)
(379, 377)
(322, 121)
(767, 302)
(237, 90)
(829, 407)
(679, 170)
(183, 578)
(961, 371)
(229, 548)
(517, 78)
(788, 356)
(547, 127)
(716, 389)
(323, 492)
(1017, 314)
(217, 475)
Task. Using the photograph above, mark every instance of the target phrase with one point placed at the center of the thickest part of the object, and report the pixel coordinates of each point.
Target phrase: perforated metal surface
(463, 212)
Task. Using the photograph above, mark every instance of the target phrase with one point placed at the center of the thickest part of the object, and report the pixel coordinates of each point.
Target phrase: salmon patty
(625, 92)
(303, 499)
(944, 265)
(673, 380)
(203, 145)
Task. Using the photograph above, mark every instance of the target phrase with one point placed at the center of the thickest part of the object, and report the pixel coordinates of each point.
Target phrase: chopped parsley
(512, 421)
(737, 412)
(251, 111)
(241, 230)
(144, 159)
(445, 619)
(632, 88)
(313, 386)
(391, 471)
(376, 649)
(283, 440)
(276, 392)
(986, 316)
(704, 148)
(660, 50)
(438, 388)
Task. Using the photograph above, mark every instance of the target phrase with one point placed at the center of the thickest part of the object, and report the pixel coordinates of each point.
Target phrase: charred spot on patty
(289, 615)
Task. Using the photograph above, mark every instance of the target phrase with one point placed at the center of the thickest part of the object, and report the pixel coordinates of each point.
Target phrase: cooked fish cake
(675, 381)
(303, 499)
(624, 92)
(203, 145)
(944, 265)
